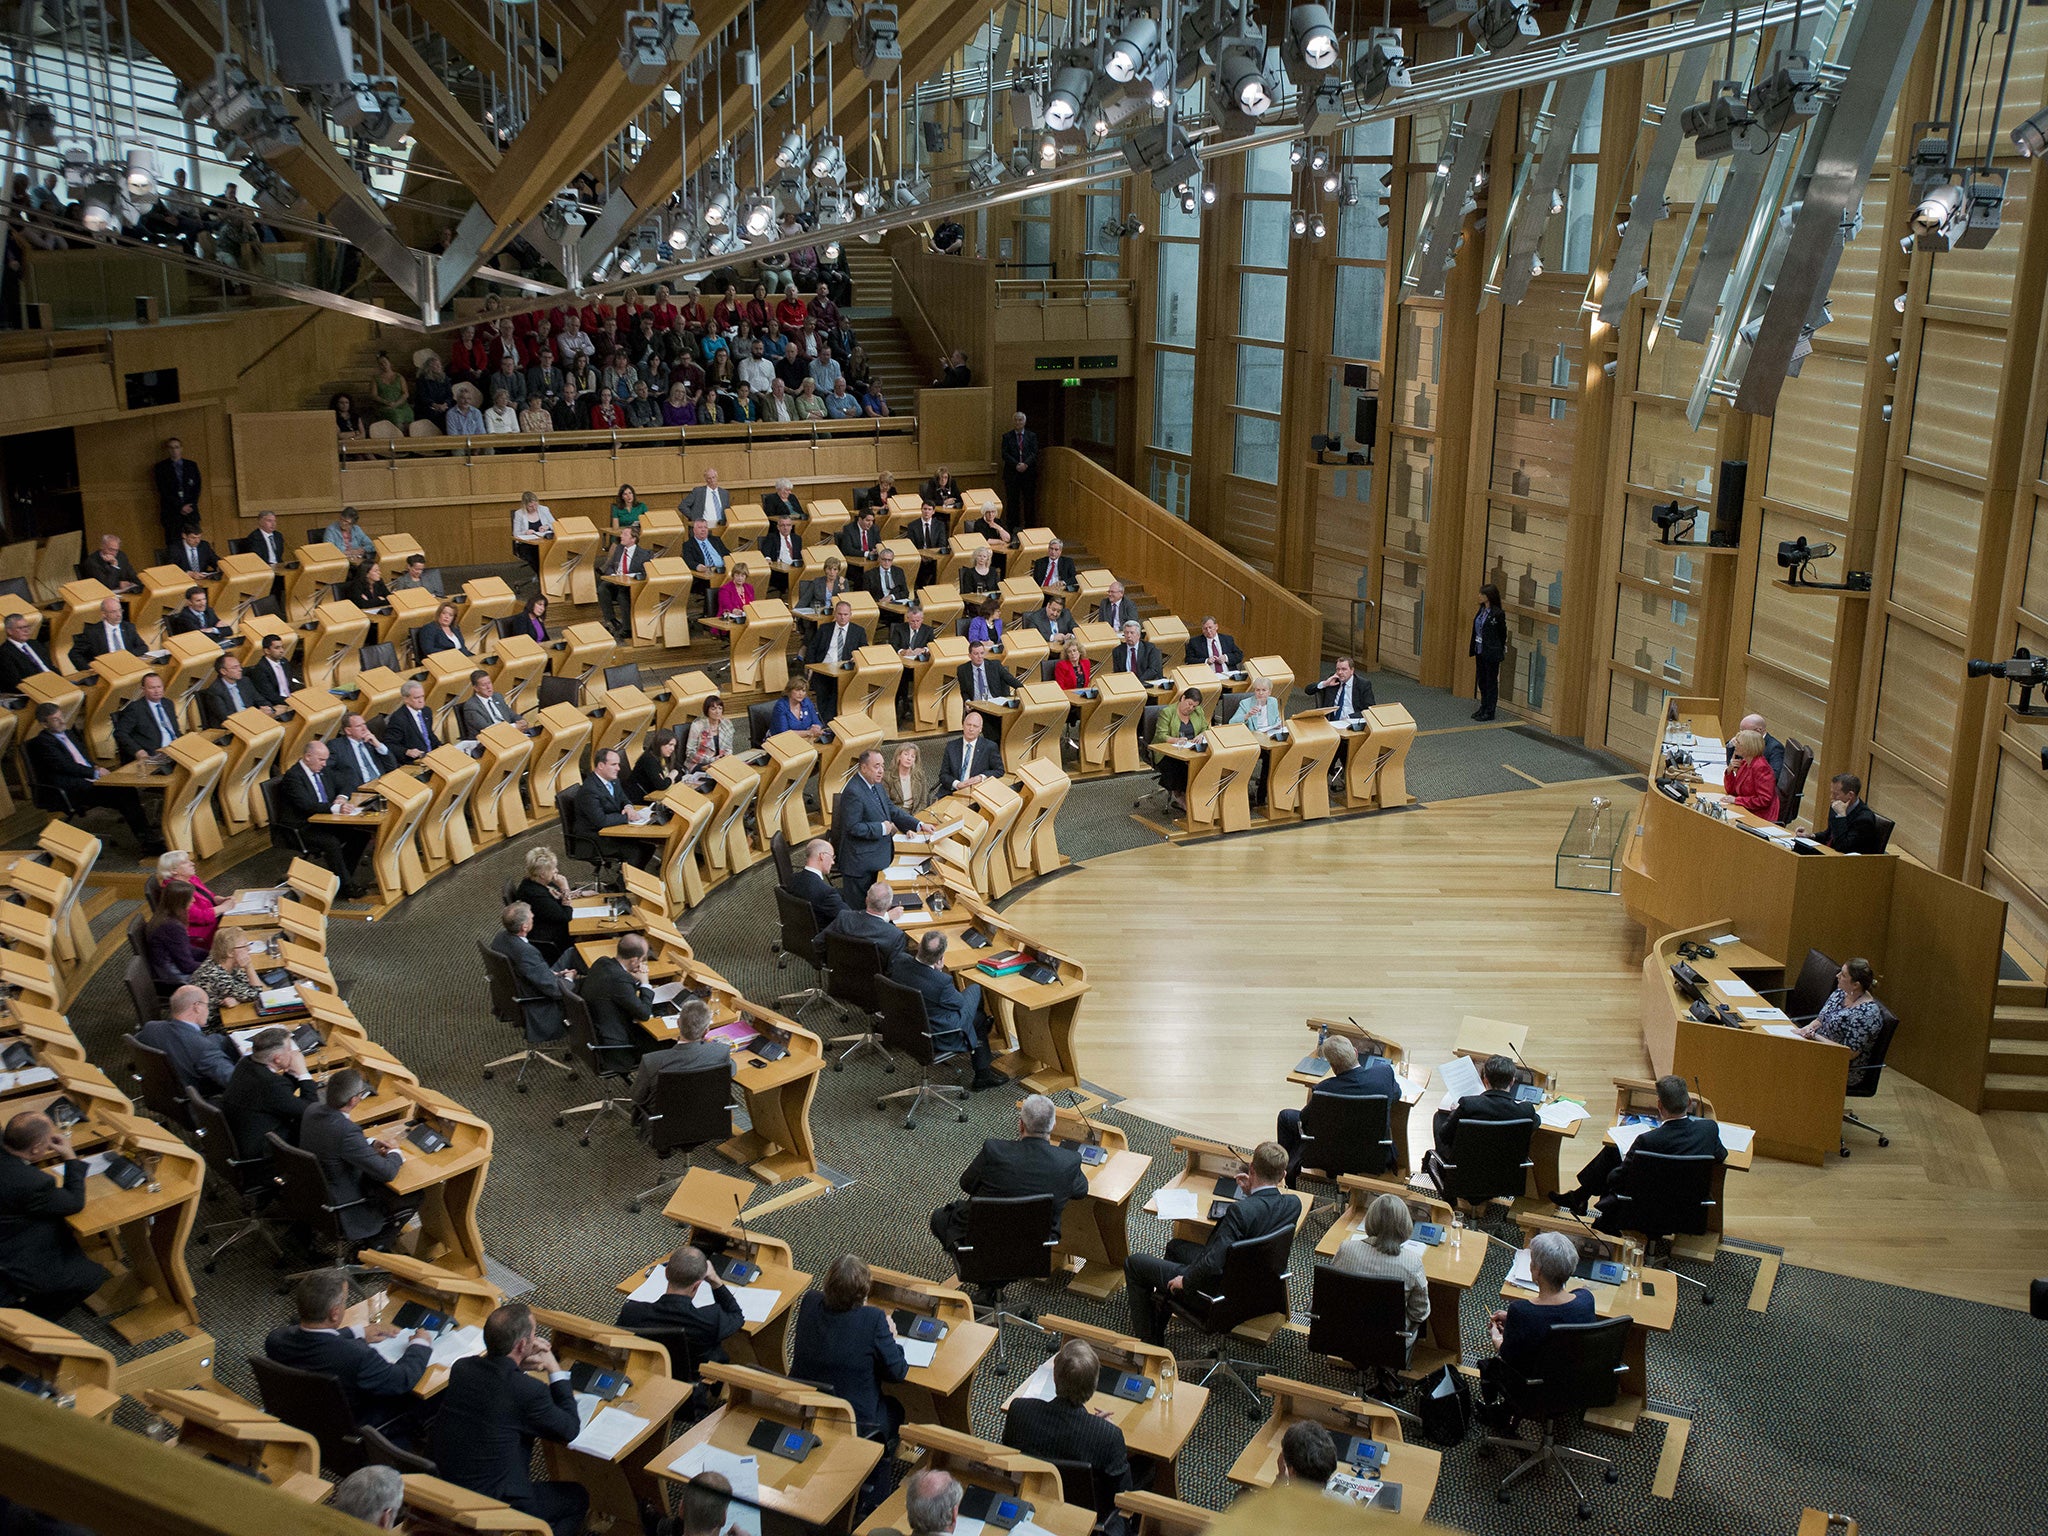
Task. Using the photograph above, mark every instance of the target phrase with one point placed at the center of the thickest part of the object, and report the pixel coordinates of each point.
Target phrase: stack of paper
(600, 909)
(458, 1344)
(1625, 1136)
(1561, 1115)
(255, 903)
(1737, 1138)
(27, 1077)
(395, 1346)
(1519, 1274)
(1764, 1015)
(1176, 1205)
(653, 1287)
(1730, 987)
(919, 1351)
(1782, 1031)
(277, 997)
(609, 1431)
(1459, 1078)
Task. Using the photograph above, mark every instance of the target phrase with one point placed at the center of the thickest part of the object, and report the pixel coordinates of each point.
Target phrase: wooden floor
(1206, 958)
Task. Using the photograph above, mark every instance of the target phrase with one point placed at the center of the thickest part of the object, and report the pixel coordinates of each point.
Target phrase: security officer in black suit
(707, 1326)
(864, 826)
(1188, 1268)
(358, 1170)
(1678, 1133)
(813, 882)
(491, 1412)
(1498, 1102)
(1347, 1078)
(379, 1390)
(1061, 1428)
(40, 1260)
(1012, 1170)
(617, 993)
(268, 1092)
(1852, 825)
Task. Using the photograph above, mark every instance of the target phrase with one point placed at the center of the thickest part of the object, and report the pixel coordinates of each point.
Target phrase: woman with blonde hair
(906, 782)
(1749, 782)
(228, 975)
(546, 889)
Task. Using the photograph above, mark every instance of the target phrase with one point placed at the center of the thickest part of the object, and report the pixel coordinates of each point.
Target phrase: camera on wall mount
(2026, 669)
(1796, 557)
(1674, 522)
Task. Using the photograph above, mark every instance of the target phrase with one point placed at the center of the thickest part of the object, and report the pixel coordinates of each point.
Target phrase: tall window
(1173, 356)
(1261, 282)
(1102, 254)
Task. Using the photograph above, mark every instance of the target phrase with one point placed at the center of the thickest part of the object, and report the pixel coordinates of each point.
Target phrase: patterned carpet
(1837, 1396)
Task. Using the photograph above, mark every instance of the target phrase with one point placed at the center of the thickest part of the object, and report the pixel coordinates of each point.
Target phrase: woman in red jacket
(1073, 669)
(1750, 783)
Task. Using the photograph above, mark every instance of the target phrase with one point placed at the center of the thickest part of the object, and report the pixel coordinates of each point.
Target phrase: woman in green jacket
(1184, 720)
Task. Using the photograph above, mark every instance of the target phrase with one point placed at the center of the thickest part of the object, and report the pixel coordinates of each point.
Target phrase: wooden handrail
(1044, 290)
(744, 432)
(905, 285)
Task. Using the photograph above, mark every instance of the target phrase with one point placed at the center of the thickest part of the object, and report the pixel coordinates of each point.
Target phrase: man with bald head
(40, 1259)
(1774, 749)
(110, 632)
(814, 882)
(201, 1060)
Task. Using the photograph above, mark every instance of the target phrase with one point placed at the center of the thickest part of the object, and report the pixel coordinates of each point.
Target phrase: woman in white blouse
(906, 780)
(532, 523)
(501, 417)
(1384, 1252)
(710, 738)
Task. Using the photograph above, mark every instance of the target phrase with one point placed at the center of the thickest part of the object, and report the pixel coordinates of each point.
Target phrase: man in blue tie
(864, 825)
(146, 725)
(358, 756)
(309, 790)
(409, 729)
(227, 694)
(706, 553)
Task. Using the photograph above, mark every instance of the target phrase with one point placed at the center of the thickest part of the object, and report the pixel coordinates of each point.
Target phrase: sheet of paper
(742, 1472)
(458, 1344)
(252, 904)
(27, 1077)
(1459, 1078)
(609, 1432)
(1411, 1089)
(1726, 938)
(1737, 1138)
(597, 909)
(903, 874)
(756, 1302)
(919, 1351)
(1518, 1272)
(666, 992)
(394, 1347)
(911, 917)
(1730, 987)
(1038, 1384)
(1177, 1204)
(654, 1287)
(1625, 1136)
(1562, 1115)
(949, 829)
(1765, 1015)
(1782, 1031)
(277, 997)
(97, 1163)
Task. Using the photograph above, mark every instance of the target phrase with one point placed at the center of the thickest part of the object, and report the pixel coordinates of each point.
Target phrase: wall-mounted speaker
(1729, 489)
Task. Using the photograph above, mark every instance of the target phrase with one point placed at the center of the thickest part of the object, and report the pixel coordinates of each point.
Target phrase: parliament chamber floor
(1845, 1294)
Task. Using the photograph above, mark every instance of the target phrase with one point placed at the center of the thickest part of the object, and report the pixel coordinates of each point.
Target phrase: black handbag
(1443, 1401)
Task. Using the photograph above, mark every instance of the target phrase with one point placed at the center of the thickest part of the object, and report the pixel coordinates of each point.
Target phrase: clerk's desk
(942, 1392)
(712, 1206)
(1414, 1079)
(819, 1490)
(81, 1376)
(977, 1463)
(1157, 1427)
(1790, 1091)
(1451, 1266)
(1415, 1467)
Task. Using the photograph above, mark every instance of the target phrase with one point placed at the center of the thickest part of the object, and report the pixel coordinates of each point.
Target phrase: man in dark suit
(272, 677)
(359, 757)
(1344, 693)
(483, 708)
(201, 1060)
(981, 678)
(690, 1052)
(813, 882)
(970, 759)
(359, 1170)
(146, 724)
(379, 1390)
(177, 489)
(267, 544)
(39, 1254)
(109, 633)
(1214, 647)
(228, 693)
(618, 995)
(614, 602)
(1678, 1133)
(1061, 1428)
(1852, 825)
(1053, 571)
(864, 826)
(269, 1091)
(1498, 1102)
(860, 539)
(707, 555)
(306, 791)
(932, 536)
(707, 1323)
(490, 1413)
(870, 923)
(1346, 1078)
(409, 729)
(781, 545)
(1137, 655)
(1052, 619)
(22, 656)
(600, 801)
(109, 567)
(912, 636)
(196, 617)
(1774, 749)
(1020, 470)
(190, 552)
(1261, 1207)
(57, 758)
(1013, 1170)
(1115, 609)
(833, 645)
(533, 978)
(886, 580)
(947, 1007)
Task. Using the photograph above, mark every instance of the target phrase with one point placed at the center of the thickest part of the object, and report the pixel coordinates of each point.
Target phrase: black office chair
(1343, 1134)
(851, 968)
(1251, 1288)
(380, 1452)
(761, 724)
(1005, 1241)
(1885, 827)
(797, 931)
(158, 1085)
(248, 1180)
(143, 992)
(907, 1027)
(1863, 1081)
(611, 1066)
(508, 1006)
(625, 675)
(1574, 1367)
(688, 1110)
(1792, 781)
(1488, 1161)
(601, 856)
(382, 654)
(1804, 999)
(1662, 1195)
(778, 850)
(291, 839)
(682, 1358)
(314, 1402)
(306, 1201)
(1079, 1488)
(1363, 1322)
(49, 797)
(559, 690)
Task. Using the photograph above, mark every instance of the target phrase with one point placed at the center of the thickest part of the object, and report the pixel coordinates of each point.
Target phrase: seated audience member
(533, 524)
(196, 618)
(358, 757)
(109, 633)
(193, 554)
(691, 1053)
(228, 973)
(1678, 1132)
(707, 1324)
(1308, 1455)
(379, 1389)
(268, 1094)
(1522, 1324)
(1850, 1016)
(1751, 782)
(346, 534)
(1496, 1102)
(110, 568)
(1258, 710)
(1262, 1208)
(310, 790)
(860, 539)
(167, 936)
(409, 729)
(57, 758)
(271, 677)
(600, 802)
(40, 1257)
(23, 655)
(228, 694)
(970, 759)
(869, 923)
(948, 1008)
(709, 738)
(1852, 825)
(659, 766)
(1346, 1079)
(981, 677)
(886, 580)
(1073, 670)
(850, 1346)
(443, 634)
(1052, 619)
(1219, 650)
(1029, 1166)
(530, 621)
(367, 588)
(147, 724)
(619, 996)
(1116, 610)
(545, 889)
(492, 1410)
(731, 599)
(204, 917)
(358, 1170)
(794, 711)
(1185, 721)
(483, 708)
(1383, 1252)
(1137, 655)
(624, 559)
(201, 1060)
(1061, 1428)
(813, 882)
(1344, 693)
(1053, 571)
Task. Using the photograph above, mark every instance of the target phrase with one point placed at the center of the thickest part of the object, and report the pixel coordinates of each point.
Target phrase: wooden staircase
(888, 345)
(2016, 1070)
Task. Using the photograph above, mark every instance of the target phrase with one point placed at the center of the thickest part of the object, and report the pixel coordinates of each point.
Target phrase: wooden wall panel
(1542, 343)
(1791, 630)
(1853, 295)
(1635, 716)
(1918, 688)
(1411, 494)
(1346, 545)
(1937, 549)
(290, 463)
(1791, 710)
(2018, 835)
(1956, 395)
(1533, 439)
(1916, 808)
(1942, 981)
(1251, 523)
(958, 429)
(1401, 616)
(1983, 279)
(1813, 436)
(2034, 594)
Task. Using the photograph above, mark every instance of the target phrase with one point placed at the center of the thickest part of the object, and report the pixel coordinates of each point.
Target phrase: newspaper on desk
(743, 1473)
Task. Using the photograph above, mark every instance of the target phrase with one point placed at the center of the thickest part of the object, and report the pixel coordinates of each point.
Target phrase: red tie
(1216, 654)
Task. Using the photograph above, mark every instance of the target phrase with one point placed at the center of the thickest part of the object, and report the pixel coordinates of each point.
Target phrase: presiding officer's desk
(1157, 1427)
(941, 1392)
(1451, 1266)
(984, 1464)
(1415, 1467)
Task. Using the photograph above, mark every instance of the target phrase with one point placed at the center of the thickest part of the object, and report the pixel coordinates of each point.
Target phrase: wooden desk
(820, 1490)
(661, 603)
(149, 1226)
(618, 1483)
(1110, 714)
(1414, 1080)
(713, 1204)
(760, 646)
(469, 1300)
(620, 721)
(1652, 1313)
(724, 848)
(1451, 1266)
(1159, 1426)
(1415, 1467)
(1095, 1229)
(1298, 768)
(237, 1434)
(779, 802)
(1033, 843)
(778, 1098)
(1638, 1096)
(942, 1392)
(435, 1508)
(1038, 1019)
(255, 737)
(81, 1375)
(1219, 777)
(496, 809)
(1209, 1167)
(568, 563)
(1156, 1515)
(337, 639)
(1034, 723)
(979, 1463)
(450, 1181)
(557, 756)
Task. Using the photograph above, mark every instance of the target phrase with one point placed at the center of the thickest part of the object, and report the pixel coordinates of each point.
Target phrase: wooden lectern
(760, 647)
(188, 819)
(724, 846)
(1376, 761)
(315, 716)
(662, 532)
(496, 811)
(250, 754)
(1020, 595)
(583, 651)
(447, 685)
(1109, 724)
(1034, 843)
(120, 675)
(988, 859)
(78, 604)
(1219, 780)
(943, 607)
(682, 873)
(190, 668)
(521, 661)
(780, 799)
(870, 688)
(485, 600)
(557, 756)
(935, 685)
(568, 562)
(1273, 669)
(412, 609)
(395, 855)
(320, 569)
(337, 639)
(621, 720)
(1298, 769)
(444, 830)
(852, 734)
(244, 581)
(1032, 730)
(661, 602)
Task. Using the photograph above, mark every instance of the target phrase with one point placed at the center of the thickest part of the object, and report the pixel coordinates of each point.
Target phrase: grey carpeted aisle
(1914, 1412)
